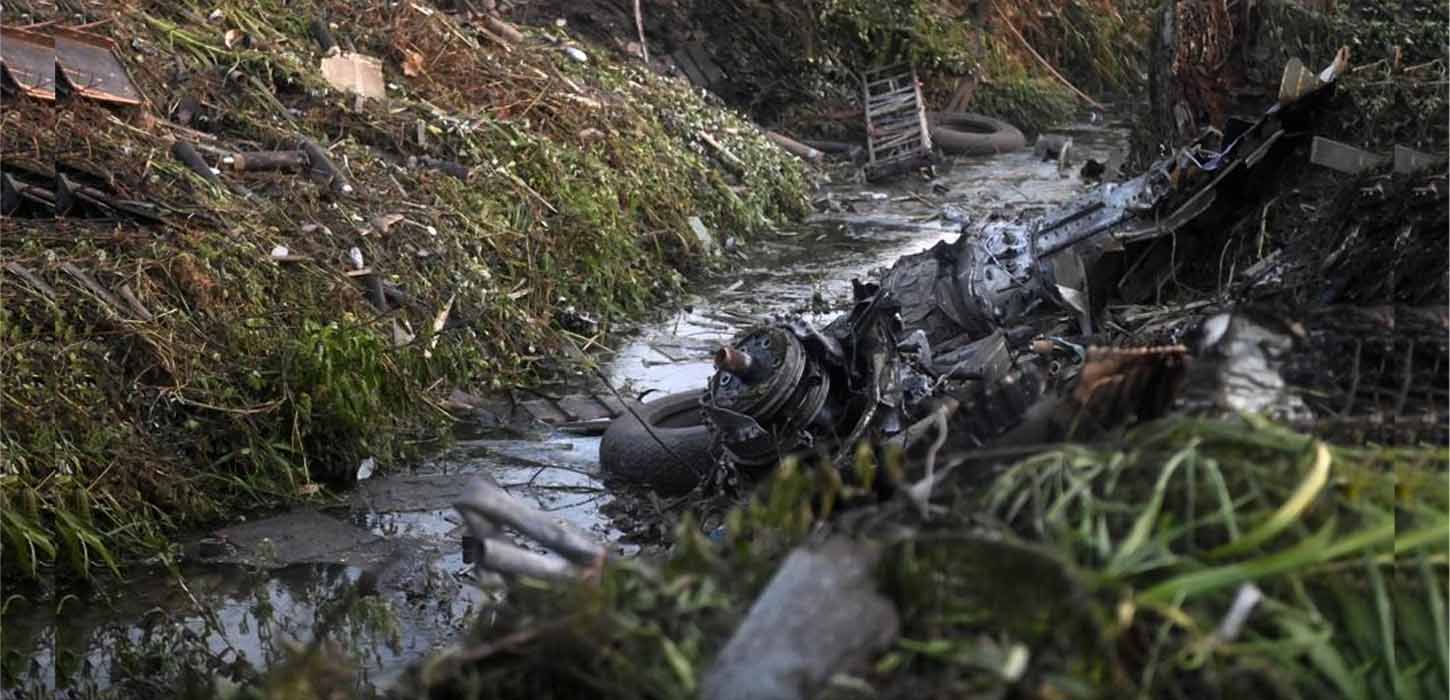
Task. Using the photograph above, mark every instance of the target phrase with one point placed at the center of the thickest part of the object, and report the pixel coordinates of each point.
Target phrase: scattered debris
(795, 147)
(819, 616)
(28, 60)
(703, 236)
(487, 508)
(258, 161)
(1051, 146)
(366, 469)
(85, 64)
(355, 73)
(897, 137)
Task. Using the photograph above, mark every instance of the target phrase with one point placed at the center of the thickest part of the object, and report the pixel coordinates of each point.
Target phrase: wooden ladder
(897, 136)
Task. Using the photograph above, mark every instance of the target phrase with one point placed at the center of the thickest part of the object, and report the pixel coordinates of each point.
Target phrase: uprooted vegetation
(242, 374)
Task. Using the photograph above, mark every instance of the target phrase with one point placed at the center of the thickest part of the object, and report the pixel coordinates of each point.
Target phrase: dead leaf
(308, 489)
(412, 63)
(382, 222)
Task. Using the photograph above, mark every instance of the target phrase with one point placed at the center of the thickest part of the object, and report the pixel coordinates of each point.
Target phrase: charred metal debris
(968, 337)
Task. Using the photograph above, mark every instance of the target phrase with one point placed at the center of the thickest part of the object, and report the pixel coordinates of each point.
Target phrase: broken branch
(1008, 23)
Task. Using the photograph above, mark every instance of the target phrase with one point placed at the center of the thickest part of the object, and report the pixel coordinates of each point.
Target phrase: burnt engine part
(765, 393)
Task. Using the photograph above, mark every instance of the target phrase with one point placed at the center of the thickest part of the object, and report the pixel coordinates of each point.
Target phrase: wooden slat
(892, 104)
(905, 137)
(905, 91)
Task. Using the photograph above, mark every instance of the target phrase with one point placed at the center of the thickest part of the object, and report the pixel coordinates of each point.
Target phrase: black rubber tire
(628, 452)
(971, 134)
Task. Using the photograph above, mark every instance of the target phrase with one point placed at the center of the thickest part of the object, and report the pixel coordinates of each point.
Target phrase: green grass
(256, 383)
(1081, 571)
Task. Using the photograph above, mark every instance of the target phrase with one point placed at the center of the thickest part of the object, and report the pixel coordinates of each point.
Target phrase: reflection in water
(254, 620)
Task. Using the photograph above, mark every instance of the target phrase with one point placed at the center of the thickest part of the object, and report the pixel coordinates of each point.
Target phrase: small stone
(702, 234)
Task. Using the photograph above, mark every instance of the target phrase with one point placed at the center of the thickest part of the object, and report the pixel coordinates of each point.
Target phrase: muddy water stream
(258, 586)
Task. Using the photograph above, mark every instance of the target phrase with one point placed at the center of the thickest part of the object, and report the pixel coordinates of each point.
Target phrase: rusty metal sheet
(28, 58)
(91, 68)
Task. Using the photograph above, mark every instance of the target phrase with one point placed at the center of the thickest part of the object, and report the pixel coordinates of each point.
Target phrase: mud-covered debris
(1051, 146)
(820, 615)
(703, 236)
(795, 147)
(487, 508)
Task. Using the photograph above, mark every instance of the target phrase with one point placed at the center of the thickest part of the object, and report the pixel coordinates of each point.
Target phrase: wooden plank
(897, 165)
(905, 122)
(30, 277)
(585, 407)
(95, 287)
(544, 411)
(141, 311)
(906, 108)
(894, 103)
(905, 137)
(894, 85)
(906, 91)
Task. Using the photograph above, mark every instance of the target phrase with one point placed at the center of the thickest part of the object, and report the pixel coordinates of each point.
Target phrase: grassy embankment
(255, 381)
(984, 49)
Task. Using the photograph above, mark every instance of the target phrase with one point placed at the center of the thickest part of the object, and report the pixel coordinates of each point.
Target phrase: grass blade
(1143, 526)
(1316, 549)
(1287, 513)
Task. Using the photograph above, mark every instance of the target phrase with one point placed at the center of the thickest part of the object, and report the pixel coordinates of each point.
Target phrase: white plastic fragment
(280, 251)
(1244, 603)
